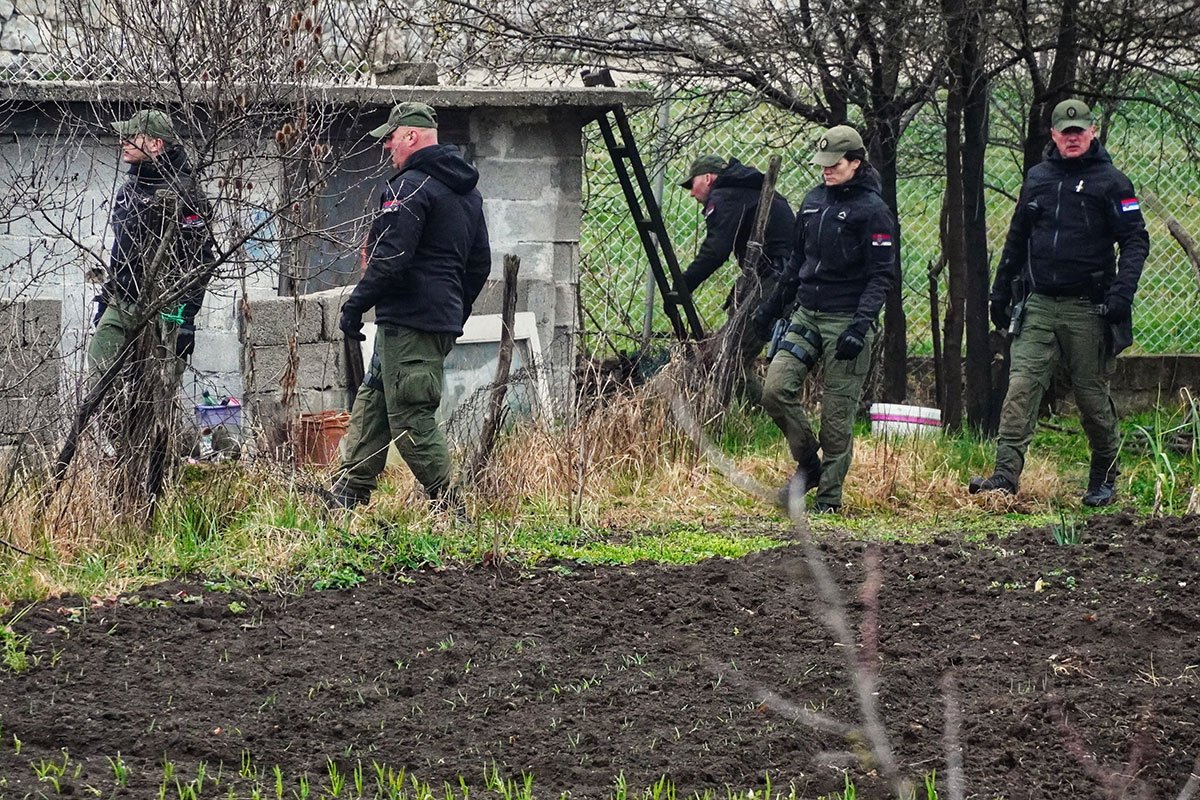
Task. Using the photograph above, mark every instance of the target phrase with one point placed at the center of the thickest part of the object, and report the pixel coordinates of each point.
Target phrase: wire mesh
(1143, 143)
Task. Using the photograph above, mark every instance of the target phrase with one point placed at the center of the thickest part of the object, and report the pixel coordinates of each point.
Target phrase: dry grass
(916, 476)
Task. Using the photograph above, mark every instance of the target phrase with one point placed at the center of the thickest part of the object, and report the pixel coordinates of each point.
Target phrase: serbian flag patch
(388, 205)
(881, 240)
(192, 220)
(1130, 204)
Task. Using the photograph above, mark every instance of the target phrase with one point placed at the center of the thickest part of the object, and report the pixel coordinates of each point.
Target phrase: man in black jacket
(428, 258)
(1063, 294)
(143, 276)
(729, 193)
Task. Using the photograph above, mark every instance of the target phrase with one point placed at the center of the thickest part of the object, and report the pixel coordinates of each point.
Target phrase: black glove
(851, 342)
(1116, 308)
(673, 296)
(100, 308)
(999, 311)
(351, 326)
(185, 340)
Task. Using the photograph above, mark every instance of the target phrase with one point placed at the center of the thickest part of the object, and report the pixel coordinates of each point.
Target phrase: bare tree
(247, 85)
(818, 61)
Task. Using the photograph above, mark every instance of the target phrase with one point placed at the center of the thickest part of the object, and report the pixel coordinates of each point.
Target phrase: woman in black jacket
(843, 265)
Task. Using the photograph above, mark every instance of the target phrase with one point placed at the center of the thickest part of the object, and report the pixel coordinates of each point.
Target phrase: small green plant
(14, 647)
(1065, 531)
(120, 770)
(931, 786)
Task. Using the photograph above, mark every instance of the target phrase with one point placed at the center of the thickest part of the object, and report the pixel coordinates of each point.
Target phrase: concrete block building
(268, 331)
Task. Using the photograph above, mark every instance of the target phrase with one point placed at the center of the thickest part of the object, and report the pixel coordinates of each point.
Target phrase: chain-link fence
(1142, 141)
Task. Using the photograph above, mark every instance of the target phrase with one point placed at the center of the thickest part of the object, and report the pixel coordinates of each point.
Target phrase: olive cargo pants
(397, 403)
(1054, 328)
(839, 400)
(113, 331)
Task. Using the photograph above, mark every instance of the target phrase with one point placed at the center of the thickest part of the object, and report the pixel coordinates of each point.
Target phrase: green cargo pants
(839, 400)
(1055, 328)
(113, 331)
(397, 403)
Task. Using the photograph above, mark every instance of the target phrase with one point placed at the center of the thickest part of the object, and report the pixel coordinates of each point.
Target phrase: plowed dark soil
(1075, 671)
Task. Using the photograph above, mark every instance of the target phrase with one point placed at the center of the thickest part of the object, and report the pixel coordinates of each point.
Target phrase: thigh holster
(807, 334)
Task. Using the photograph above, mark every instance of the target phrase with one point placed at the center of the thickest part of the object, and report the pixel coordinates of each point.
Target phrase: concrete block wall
(530, 164)
(274, 329)
(30, 371)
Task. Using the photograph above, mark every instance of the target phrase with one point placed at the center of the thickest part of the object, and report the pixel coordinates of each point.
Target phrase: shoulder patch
(881, 240)
(190, 220)
(1130, 204)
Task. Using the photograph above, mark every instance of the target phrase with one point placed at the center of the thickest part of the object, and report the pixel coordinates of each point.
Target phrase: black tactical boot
(809, 473)
(826, 508)
(1102, 484)
(993, 483)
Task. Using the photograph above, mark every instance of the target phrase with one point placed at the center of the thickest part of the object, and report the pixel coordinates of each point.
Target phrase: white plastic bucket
(893, 419)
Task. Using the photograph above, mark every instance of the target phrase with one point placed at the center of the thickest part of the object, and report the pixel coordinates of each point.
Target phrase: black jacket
(844, 258)
(1070, 214)
(428, 255)
(729, 217)
(138, 227)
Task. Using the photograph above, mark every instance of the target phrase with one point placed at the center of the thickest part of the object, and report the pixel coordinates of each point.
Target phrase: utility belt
(1093, 291)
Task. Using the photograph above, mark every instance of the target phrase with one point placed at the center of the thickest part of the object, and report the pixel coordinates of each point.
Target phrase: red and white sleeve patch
(881, 240)
(1130, 204)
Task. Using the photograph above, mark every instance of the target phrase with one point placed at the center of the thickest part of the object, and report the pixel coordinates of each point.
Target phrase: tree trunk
(953, 241)
(981, 415)
(882, 144)
(1058, 88)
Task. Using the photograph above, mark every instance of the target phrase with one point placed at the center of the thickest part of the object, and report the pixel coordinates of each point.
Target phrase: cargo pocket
(420, 386)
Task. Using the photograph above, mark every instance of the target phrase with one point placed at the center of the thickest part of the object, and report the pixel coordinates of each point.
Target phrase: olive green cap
(835, 143)
(1071, 114)
(156, 124)
(703, 165)
(408, 115)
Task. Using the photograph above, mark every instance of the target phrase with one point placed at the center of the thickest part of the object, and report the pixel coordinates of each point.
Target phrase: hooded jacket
(845, 254)
(138, 229)
(428, 254)
(1070, 214)
(729, 217)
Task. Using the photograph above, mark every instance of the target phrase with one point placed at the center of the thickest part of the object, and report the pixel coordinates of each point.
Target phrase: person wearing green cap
(156, 163)
(844, 262)
(1063, 295)
(729, 193)
(428, 257)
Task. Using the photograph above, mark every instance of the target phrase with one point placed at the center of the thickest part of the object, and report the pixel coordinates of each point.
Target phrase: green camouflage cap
(1071, 114)
(156, 124)
(409, 115)
(703, 165)
(835, 143)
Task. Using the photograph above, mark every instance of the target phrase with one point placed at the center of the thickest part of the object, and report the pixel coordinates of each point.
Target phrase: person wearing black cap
(157, 162)
(843, 265)
(1064, 295)
(729, 193)
(428, 257)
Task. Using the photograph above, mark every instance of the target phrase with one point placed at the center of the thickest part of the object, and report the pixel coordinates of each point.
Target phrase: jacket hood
(1096, 154)
(445, 163)
(738, 176)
